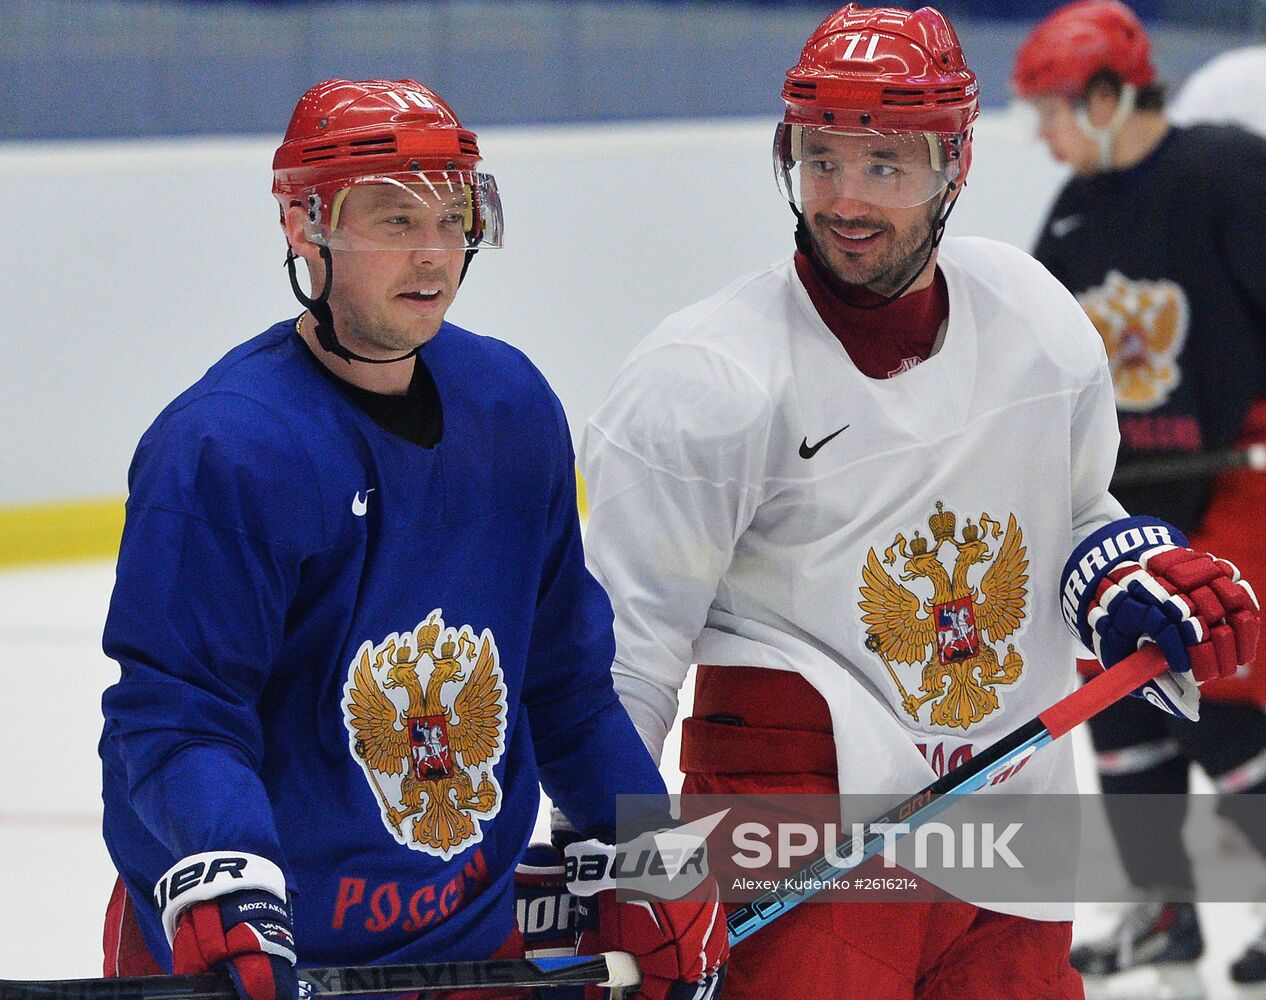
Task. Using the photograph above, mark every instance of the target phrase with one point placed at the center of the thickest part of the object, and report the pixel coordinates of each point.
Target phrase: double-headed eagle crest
(942, 632)
(426, 714)
(1144, 326)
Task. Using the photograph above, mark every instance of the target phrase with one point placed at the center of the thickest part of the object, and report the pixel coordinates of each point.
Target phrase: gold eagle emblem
(942, 632)
(426, 714)
(1144, 326)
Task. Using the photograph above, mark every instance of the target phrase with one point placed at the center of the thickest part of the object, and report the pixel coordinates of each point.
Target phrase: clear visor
(418, 210)
(815, 164)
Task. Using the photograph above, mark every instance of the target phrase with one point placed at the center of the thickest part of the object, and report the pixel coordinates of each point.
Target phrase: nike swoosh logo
(808, 451)
(1062, 227)
(359, 505)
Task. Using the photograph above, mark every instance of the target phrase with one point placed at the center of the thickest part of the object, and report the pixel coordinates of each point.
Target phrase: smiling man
(352, 615)
(845, 487)
(872, 207)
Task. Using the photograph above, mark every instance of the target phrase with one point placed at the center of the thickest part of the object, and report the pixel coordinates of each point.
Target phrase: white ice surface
(53, 867)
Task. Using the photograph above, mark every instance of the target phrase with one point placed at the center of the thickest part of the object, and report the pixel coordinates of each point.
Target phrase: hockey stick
(611, 969)
(1206, 463)
(617, 969)
(1067, 713)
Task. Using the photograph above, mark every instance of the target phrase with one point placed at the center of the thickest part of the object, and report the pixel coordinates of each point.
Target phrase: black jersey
(1169, 259)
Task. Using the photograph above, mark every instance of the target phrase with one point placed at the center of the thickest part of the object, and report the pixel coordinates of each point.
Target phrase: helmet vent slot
(373, 145)
(357, 147)
(904, 98)
(315, 154)
(915, 98)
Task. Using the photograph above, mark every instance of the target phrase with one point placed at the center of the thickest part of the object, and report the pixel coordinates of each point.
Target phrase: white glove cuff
(200, 877)
(588, 867)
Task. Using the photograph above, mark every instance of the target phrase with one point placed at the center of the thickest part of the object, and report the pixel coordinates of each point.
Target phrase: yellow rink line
(58, 532)
(90, 529)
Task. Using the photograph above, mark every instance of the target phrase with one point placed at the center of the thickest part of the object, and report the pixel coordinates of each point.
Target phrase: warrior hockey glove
(1135, 581)
(681, 945)
(226, 911)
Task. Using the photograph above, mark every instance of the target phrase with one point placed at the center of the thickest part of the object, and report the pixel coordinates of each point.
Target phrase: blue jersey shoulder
(231, 450)
(502, 372)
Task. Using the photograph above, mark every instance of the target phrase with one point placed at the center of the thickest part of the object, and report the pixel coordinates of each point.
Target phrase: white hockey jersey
(755, 500)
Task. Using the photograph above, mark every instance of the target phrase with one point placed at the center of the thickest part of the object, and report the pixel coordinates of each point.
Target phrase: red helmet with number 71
(897, 82)
(403, 142)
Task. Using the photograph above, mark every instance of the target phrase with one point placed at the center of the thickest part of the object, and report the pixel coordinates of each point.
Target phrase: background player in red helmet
(781, 474)
(352, 615)
(1159, 236)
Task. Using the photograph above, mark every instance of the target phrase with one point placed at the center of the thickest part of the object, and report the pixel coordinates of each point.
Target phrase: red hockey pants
(851, 951)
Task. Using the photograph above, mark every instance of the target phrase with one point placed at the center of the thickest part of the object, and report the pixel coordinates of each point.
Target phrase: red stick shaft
(1110, 686)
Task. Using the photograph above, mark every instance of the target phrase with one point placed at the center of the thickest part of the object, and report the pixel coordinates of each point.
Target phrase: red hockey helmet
(404, 140)
(883, 76)
(1063, 53)
(883, 68)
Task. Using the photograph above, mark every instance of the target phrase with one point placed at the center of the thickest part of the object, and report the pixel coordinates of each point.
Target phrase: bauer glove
(225, 911)
(681, 945)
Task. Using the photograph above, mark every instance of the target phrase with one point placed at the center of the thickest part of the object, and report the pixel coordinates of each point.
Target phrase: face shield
(416, 210)
(818, 164)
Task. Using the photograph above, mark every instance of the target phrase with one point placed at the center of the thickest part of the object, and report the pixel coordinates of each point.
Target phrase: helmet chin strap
(1105, 137)
(805, 245)
(320, 308)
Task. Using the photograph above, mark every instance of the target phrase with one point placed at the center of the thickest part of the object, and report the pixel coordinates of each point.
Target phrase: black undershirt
(416, 416)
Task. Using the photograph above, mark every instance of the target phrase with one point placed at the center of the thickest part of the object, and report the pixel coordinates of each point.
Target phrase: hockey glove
(1135, 581)
(546, 910)
(681, 945)
(226, 912)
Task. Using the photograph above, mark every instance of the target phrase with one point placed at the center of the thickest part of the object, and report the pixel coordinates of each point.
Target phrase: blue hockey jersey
(355, 655)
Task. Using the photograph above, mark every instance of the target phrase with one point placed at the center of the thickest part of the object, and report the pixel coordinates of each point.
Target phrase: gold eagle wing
(383, 743)
(891, 613)
(1163, 333)
(480, 709)
(1003, 588)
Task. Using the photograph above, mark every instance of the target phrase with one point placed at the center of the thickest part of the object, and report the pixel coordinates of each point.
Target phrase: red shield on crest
(428, 737)
(956, 635)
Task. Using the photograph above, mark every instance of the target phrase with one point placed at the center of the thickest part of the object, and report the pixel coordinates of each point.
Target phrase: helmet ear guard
(964, 155)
